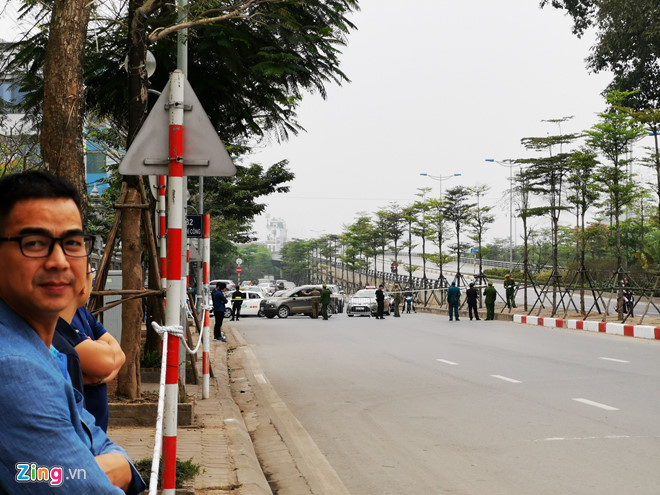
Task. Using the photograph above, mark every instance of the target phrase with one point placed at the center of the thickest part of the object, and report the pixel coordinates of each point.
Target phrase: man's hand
(117, 468)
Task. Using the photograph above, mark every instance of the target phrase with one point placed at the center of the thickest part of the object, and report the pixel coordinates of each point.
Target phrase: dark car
(298, 301)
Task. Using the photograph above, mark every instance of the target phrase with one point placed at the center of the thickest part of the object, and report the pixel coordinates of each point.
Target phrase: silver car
(363, 303)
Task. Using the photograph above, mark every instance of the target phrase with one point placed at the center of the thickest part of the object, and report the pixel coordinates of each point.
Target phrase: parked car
(298, 301)
(251, 304)
(363, 303)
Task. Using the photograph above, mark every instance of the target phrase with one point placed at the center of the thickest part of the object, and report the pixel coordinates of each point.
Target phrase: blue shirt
(43, 422)
(96, 396)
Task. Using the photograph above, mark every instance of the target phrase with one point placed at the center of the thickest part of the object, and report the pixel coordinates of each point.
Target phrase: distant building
(276, 237)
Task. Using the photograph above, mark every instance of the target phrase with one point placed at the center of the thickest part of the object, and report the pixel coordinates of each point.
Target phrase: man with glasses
(43, 261)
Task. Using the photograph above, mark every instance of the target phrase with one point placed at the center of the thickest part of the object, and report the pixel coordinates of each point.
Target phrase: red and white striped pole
(174, 302)
(206, 342)
(162, 227)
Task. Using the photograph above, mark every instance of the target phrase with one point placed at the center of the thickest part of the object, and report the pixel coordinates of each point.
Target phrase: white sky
(437, 87)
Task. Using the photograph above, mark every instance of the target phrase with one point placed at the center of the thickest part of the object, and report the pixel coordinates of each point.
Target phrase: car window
(253, 295)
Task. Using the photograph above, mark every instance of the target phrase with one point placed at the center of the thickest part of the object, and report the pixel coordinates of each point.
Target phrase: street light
(439, 178)
(510, 166)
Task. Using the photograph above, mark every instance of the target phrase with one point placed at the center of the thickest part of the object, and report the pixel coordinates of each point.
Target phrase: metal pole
(174, 302)
(510, 217)
(206, 302)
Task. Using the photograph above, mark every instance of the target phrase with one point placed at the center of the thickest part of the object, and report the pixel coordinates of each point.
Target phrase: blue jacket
(219, 301)
(453, 294)
(43, 422)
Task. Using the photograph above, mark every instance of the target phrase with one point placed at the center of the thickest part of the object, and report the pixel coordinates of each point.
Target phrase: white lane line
(260, 378)
(613, 360)
(596, 404)
(451, 363)
(506, 379)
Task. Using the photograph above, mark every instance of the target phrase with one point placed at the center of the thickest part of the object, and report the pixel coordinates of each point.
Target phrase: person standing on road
(325, 301)
(408, 300)
(316, 302)
(397, 300)
(491, 296)
(237, 298)
(380, 302)
(453, 298)
(471, 296)
(510, 288)
(219, 302)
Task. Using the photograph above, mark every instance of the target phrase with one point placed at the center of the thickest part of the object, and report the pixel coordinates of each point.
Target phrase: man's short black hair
(33, 184)
(220, 285)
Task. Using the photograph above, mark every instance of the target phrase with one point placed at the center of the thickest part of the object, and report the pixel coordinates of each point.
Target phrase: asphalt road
(419, 405)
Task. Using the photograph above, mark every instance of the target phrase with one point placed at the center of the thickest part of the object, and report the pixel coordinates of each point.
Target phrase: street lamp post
(510, 166)
(440, 178)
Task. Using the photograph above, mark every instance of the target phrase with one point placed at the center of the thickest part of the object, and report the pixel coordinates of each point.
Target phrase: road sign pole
(206, 342)
(174, 302)
(162, 224)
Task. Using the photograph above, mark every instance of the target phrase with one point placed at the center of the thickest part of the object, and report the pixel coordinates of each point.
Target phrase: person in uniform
(380, 302)
(453, 298)
(491, 296)
(397, 300)
(510, 288)
(325, 301)
(237, 298)
(316, 302)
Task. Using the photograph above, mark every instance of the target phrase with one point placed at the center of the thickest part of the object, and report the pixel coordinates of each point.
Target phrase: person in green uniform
(491, 296)
(316, 302)
(325, 301)
(397, 300)
(510, 287)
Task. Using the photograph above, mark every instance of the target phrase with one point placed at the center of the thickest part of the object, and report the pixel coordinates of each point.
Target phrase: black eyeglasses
(41, 245)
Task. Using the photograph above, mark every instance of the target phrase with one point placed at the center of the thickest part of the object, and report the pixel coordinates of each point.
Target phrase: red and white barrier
(206, 302)
(609, 327)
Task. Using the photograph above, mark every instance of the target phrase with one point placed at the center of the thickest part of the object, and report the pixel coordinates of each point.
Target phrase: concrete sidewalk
(218, 441)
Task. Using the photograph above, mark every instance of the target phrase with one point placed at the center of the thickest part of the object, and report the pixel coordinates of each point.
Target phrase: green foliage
(185, 470)
(296, 260)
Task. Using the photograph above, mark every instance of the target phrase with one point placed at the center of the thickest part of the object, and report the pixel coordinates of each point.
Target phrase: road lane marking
(596, 404)
(506, 379)
(451, 363)
(613, 360)
(574, 439)
(260, 378)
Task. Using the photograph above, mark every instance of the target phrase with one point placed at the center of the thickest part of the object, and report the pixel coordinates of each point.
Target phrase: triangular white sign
(204, 153)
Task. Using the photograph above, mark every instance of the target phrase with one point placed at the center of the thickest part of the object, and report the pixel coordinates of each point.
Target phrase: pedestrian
(471, 296)
(325, 301)
(397, 300)
(237, 298)
(316, 302)
(43, 260)
(453, 299)
(380, 302)
(510, 288)
(219, 308)
(408, 298)
(491, 296)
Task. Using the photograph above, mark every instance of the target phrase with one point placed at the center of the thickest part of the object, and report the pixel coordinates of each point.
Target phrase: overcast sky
(436, 86)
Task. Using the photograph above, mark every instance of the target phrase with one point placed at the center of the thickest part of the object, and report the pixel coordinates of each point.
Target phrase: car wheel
(283, 312)
(331, 311)
(227, 313)
(261, 313)
(350, 316)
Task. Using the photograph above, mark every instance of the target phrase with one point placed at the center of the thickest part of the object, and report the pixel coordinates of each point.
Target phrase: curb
(638, 331)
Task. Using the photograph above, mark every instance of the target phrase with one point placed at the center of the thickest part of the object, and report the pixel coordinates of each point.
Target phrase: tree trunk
(64, 96)
(131, 319)
(129, 376)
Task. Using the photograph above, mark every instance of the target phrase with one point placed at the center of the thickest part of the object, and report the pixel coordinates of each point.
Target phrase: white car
(250, 306)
